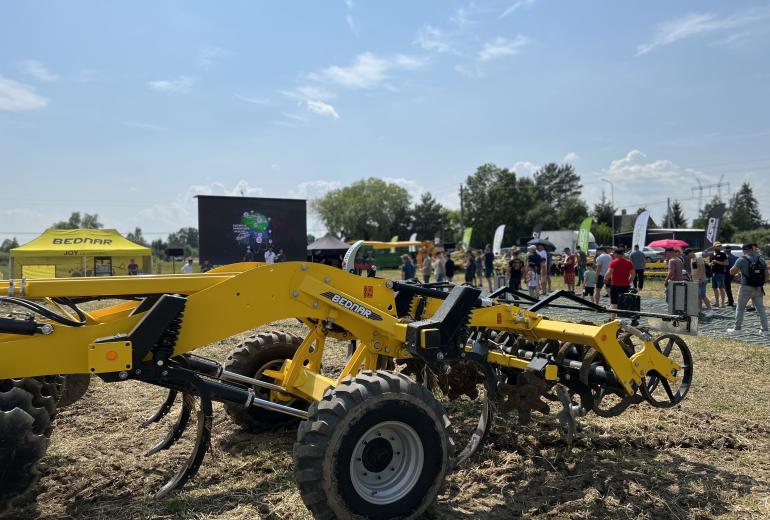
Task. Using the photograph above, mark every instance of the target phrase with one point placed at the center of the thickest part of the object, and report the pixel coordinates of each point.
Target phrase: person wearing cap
(753, 272)
(718, 270)
(621, 273)
(698, 275)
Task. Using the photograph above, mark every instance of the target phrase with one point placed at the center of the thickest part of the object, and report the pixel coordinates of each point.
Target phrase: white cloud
(433, 39)
(254, 100)
(367, 70)
(515, 7)
(210, 54)
(352, 24)
(500, 47)
(17, 97)
(695, 24)
(38, 71)
(313, 189)
(571, 157)
(304, 92)
(180, 85)
(183, 210)
(322, 109)
(525, 168)
(144, 126)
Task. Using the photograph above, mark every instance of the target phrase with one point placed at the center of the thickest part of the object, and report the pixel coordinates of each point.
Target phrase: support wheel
(25, 424)
(264, 351)
(75, 387)
(376, 446)
(656, 389)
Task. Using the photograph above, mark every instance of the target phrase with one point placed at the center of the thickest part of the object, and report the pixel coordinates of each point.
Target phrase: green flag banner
(467, 238)
(583, 234)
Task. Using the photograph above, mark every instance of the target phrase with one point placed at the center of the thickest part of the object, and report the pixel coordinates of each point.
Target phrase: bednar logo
(82, 240)
(368, 291)
(352, 306)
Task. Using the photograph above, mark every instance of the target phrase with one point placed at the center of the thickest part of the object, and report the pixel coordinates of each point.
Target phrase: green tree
(136, 236)
(760, 236)
(159, 247)
(187, 238)
(744, 209)
(495, 196)
(674, 216)
(427, 217)
(310, 238)
(76, 221)
(557, 183)
(572, 211)
(604, 211)
(8, 244)
(602, 233)
(369, 209)
(450, 225)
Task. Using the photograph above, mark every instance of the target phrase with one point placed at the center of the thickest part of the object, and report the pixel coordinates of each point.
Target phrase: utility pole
(612, 185)
(462, 210)
(668, 212)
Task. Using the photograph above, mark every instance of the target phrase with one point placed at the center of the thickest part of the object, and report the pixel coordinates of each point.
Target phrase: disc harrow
(429, 369)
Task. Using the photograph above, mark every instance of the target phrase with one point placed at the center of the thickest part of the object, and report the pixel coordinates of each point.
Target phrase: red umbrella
(668, 242)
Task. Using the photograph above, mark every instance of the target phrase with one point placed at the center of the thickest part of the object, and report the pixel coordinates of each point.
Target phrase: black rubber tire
(25, 425)
(247, 359)
(75, 387)
(326, 440)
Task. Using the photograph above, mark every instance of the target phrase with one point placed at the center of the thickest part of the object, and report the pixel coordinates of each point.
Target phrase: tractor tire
(266, 350)
(26, 413)
(376, 446)
(75, 387)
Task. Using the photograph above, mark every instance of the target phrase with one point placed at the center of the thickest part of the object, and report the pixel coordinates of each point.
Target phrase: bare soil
(707, 458)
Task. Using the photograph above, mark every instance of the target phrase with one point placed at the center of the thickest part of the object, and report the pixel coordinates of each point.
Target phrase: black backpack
(757, 270)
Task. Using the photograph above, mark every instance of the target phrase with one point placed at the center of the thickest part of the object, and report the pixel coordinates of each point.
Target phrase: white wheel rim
(387, 462)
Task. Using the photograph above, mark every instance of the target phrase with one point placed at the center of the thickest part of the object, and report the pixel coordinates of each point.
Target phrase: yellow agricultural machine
(373, 441)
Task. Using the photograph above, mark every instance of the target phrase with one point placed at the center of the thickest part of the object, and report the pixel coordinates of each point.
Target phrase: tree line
(373, 209)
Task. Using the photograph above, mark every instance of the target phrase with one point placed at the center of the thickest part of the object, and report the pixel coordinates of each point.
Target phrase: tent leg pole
(85, 267)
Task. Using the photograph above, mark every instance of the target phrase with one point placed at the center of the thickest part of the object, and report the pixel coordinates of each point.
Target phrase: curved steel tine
(202, 444)
(188, 403)
(161, 412)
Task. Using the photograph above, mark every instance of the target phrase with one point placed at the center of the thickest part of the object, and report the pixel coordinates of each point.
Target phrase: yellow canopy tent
(59, 253)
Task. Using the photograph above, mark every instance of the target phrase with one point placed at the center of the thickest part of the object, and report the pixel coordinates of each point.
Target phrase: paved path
(715, 327)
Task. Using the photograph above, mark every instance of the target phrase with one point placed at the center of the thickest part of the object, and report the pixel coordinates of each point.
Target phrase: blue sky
(128, 109)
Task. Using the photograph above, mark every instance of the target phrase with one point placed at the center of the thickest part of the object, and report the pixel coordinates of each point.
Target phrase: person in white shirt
(269, 255)
(187, 267)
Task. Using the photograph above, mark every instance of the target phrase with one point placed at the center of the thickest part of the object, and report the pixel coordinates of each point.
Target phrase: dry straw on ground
(708, 458)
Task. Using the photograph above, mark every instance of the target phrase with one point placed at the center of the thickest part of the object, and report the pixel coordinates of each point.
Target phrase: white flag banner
(497, 242)
(640, 230)
(413, 238)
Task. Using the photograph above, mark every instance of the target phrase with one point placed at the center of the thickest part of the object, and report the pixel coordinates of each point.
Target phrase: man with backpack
(753, 271)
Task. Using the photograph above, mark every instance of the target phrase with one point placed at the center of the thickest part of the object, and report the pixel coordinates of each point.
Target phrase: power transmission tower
(717, 186)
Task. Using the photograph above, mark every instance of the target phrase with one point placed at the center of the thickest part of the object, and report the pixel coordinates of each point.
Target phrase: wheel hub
(377, 455)
(387, 462)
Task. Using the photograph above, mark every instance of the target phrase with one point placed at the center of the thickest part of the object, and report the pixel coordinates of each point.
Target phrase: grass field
(706, 458)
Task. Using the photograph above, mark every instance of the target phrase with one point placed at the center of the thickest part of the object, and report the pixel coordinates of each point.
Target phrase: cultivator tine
(161, 412)
(188, 403)
(202, 443)
(566, 417)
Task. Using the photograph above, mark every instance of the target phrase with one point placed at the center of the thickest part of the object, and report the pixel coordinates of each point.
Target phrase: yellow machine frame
(239, 297)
